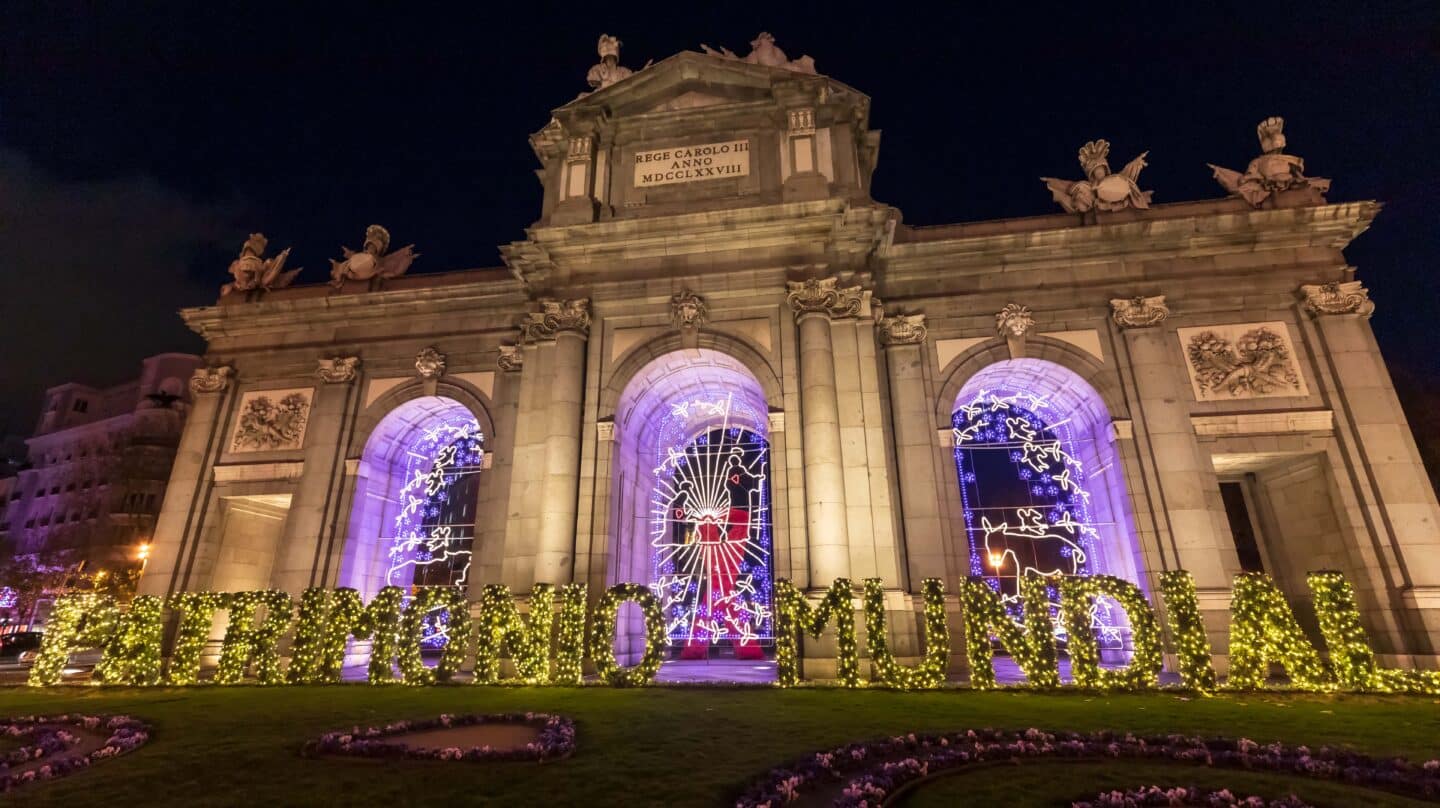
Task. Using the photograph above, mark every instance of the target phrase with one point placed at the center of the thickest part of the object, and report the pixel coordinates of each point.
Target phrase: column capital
(511, 359)
(1014, 321)
(1139, 311)
(555, 317)
(1337, 298)
(826, 296)
(212, 379)
(338, 369)
(903, 329)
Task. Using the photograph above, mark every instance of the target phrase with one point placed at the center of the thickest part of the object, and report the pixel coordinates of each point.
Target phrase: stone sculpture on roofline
(372, 261)
(1273, 173)
(764, 51)
(1101, 190)
(252, 270)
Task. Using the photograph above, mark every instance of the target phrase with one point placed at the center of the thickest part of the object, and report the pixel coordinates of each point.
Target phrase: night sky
(140, 143)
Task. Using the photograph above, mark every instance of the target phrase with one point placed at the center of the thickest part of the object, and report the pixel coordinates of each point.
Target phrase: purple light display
(711, 543)
(434, 531)
(1027, 509)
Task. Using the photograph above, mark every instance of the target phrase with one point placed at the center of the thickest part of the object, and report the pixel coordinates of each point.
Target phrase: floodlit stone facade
(1197, 382)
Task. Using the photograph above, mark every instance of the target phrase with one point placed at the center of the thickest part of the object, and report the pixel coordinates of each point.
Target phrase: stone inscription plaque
(707, 161)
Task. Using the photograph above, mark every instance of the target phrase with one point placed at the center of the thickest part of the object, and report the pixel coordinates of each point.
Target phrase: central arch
(692, 501)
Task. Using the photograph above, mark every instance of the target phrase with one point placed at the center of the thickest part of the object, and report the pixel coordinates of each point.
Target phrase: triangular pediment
(687, 81)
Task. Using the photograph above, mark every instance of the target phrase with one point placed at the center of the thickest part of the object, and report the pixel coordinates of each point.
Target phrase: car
(20, 650)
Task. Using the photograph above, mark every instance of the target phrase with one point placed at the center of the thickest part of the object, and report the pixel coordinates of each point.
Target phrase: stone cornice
(284, 316)
(1167, 231)
(609, 250)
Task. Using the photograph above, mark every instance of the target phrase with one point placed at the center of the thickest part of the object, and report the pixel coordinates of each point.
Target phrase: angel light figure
(252, 270)
(372, 261)
(1101, 190)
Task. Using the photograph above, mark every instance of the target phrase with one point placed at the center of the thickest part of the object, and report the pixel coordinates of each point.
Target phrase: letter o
(602, 638)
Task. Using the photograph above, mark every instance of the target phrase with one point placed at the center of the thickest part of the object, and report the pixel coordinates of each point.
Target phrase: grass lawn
(675, 746)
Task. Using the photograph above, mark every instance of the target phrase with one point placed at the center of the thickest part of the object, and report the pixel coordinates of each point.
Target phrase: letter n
(528, 640)
(326, 620)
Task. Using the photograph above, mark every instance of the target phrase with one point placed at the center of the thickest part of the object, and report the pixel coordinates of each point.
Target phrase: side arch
(954, 376)
(458, 390)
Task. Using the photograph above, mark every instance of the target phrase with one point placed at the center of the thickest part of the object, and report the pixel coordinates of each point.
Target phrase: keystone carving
(825, 295)
(1014, 321)
(1338, 298)
(1139, 311)
(430, 363)
(338, 370)
(688, 310)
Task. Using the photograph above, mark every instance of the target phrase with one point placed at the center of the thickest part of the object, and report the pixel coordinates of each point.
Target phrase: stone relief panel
(1242, 360)
(272, 420)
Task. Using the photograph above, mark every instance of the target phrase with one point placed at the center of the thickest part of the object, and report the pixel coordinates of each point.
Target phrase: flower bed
(1155, 795)
(556, 739)
(873, 772)
(43, 756)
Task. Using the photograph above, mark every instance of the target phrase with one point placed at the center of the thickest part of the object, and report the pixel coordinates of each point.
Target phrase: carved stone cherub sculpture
(372, 261)
(1270, 173)
(609, 70)
(764, 51)
(1101, 190)
(252, 270)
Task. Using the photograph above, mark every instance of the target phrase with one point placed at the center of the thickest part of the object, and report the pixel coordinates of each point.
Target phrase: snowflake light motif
(428, 546)
(710, 526)
(1026, 508)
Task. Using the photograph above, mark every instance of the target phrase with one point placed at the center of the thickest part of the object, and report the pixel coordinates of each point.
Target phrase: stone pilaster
(317, 492)
(904, 340)
(814, 303)
(1199, 540)
(559, 330)
(1401, 504)
(189, 486)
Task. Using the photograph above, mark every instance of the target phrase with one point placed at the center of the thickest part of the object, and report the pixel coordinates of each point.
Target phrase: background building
(97, 466)
(685, 376)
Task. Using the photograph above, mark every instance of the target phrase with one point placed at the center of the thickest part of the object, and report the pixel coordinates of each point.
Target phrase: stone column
(318, 490)
(1200, 540)
(486, 564)
(567, 324)
(190, 481)
(904, 340)
(1404, 512)
(814, 302)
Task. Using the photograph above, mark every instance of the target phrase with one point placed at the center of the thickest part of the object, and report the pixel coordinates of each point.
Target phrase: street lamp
(143, 553)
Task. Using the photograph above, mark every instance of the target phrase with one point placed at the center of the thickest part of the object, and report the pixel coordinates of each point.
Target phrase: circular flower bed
(873, 772)
(555, 739)
(49, 744)
(1155, 795)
